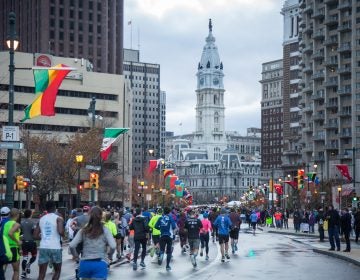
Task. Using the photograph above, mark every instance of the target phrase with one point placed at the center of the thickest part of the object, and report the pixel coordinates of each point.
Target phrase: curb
(294, 234)
(344, 258)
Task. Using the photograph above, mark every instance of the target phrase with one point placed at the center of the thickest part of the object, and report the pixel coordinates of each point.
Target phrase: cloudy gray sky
(172, 33)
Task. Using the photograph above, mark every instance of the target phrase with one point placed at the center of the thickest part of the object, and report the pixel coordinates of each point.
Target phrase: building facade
(90, 29)
(271, 119)
(292, 84)
(148, 111)
(330, 34)
(113, 103)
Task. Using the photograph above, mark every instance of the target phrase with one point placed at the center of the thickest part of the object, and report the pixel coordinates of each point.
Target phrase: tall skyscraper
(148, 127)
(330, 36)
(272, 119)
(90, 29)
(291, 159)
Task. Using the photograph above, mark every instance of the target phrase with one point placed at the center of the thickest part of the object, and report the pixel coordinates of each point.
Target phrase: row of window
(141, 69)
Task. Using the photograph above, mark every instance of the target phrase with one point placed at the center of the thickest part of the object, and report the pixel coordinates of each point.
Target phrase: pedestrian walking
(205, 235)
(95, 239)
(333, 219)
(254, 219)
(166, 225)
(193, 226)
(51, 229)
(28, 243)
(141, 231)
(345, 221)
(223, 224)
(320, 220)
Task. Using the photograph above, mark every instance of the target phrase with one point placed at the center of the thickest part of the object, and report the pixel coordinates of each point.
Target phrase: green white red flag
(110, 136)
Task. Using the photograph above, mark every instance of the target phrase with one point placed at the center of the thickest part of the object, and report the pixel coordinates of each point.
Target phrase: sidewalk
(312, 239)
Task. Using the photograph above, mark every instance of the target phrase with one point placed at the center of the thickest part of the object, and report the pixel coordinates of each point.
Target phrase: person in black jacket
(320, 220)
(193, 226)
(141, 231)
(346, 227)
(333, 219)
(357, 225)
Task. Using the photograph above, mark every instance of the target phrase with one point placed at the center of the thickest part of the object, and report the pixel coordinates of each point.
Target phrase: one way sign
(10, 134)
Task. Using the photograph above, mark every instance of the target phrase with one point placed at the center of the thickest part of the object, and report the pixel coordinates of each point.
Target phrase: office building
(90, 29)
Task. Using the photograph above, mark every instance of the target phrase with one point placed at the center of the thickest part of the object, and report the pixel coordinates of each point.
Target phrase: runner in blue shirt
(223, 224)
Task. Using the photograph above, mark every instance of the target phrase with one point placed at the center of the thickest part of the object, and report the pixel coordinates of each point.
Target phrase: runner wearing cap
(5, 211)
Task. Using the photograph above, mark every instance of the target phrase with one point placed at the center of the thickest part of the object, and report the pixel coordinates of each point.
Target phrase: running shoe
(23, 275)
(201, 253)
(193, 261)
(152, 252)
(223, 259)
(207, 258)
(160, 259)
(142, 264)
(168, 268)
(28, 269)
(227, 256)
(134, 266)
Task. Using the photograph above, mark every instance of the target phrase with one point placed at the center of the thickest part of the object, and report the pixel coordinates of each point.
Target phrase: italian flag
(110, 136)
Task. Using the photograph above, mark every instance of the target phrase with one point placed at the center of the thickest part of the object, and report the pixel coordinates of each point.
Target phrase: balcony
(331, 83)
(318, 76)
(331, 62)
(344, 70)
(308, 50)
(307, 149)
(345, 134)
(308, 70)
(319, 137)
(345, 114)
(319, 35)
(331, 42)
(308, 30)
(331, 126)
(345, 27)
(332, 146)
(308, 109)
(319, 158)
(319, 14)
(308, 129)
(319, 117)
(345, 6)
(318, 95)
(318, 55)
(331, 20)
(344, 91)
(331, 105)
(308, 9)
(307, 89)
(345, 47)
(302, 24)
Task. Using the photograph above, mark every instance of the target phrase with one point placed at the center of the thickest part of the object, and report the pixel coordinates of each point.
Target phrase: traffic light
(94, 180)
(20, 182)
(355, 198)
(300, 178)
(26, 185)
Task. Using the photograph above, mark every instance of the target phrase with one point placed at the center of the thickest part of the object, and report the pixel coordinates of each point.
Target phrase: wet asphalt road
(263, 256)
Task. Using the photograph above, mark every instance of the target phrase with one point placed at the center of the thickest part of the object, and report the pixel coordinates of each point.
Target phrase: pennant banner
(293, 184)
(153, 163)
(168, 172)
(278, 189)
(167, 182)
(110, 136)
(47, 83)
(344, 170)
(179, 190)
(173, 179)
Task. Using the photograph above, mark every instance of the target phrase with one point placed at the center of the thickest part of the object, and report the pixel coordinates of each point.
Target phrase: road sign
(11, 145)
(10, 134)
(93, 167)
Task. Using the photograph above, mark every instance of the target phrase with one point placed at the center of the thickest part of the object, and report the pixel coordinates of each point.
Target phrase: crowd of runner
(98, 237)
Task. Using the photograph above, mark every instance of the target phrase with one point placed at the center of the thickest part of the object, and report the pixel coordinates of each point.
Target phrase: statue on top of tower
(210, 25)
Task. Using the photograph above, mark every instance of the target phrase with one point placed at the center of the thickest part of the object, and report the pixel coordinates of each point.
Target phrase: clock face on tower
(202, 81)
(215, 81)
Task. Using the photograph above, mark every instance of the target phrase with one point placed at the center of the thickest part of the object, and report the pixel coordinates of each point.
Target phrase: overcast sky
(172, 34)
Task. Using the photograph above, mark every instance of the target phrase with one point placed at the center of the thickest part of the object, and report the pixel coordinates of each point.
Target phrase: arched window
(216, 117)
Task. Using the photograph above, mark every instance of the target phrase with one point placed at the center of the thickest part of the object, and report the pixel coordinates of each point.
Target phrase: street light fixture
(12, 44)
(79, 159)
(339, 191)
(2, 173)
(142, 183)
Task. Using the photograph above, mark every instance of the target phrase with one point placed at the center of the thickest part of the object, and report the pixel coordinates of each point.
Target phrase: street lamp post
(339, 191)
(2, 172)
(12, 44)
(142, 183)
(79, 159)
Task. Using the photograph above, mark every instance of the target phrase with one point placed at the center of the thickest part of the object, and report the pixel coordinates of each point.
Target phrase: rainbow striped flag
(47, 83)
